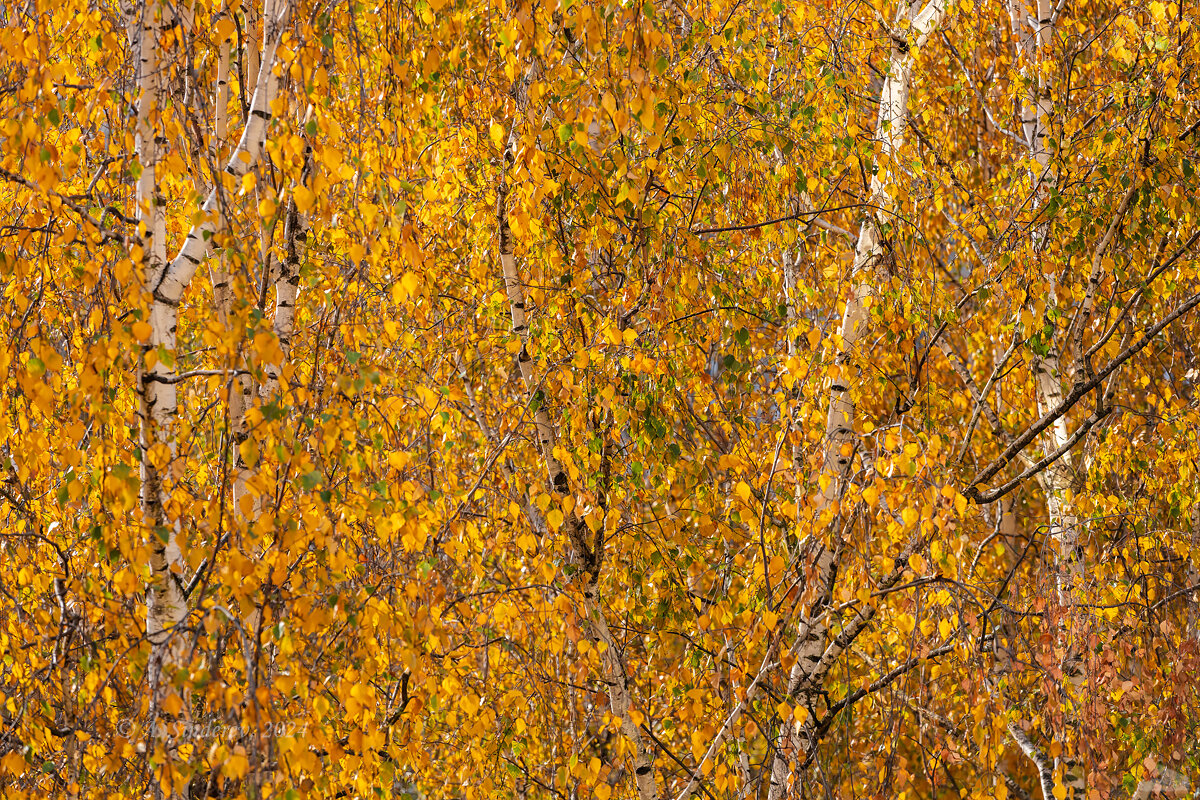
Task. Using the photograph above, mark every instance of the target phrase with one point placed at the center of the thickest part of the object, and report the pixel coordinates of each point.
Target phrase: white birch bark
(798, 739)
(250, 45)
(1033, 28)
(165, 282)
(240, 386)
(222, 296)
(586, 550)
(165, 605)
(287, 286)
(221, 101)
(1040, 762)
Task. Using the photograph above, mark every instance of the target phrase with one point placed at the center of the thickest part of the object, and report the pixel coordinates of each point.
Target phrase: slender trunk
(1004, 642)
(586, 549)
(1033, 29)
(287, 286)
(798, 739)
(250, 42)
(165, 604)
(221, 101)
(165, 283)
(239, 385)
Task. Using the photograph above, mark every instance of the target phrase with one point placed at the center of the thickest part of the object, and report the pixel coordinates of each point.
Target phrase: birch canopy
(599, 399)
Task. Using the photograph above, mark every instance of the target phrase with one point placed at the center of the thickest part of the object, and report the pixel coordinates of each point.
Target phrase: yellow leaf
(332, 158)
(249, 452)
(496, 132)
(304, 199)
(777, 565)
(172, 703)
(267, 347)
(743, 490)
(14, 764)
(223, 29)
(142, 331)
(410, 282)
(469, 703)
(237, 765)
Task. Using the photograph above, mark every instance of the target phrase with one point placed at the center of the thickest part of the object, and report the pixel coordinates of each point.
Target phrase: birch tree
(806, 680)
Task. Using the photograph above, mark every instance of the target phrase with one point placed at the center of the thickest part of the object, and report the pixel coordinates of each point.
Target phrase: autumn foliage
(663, 399)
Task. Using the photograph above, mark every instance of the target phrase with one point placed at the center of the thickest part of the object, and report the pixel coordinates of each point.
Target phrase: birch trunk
(165, 604)
(240, 388)
(1033, 28)
(165, 283)
(287, 286)
(250, 46)
(586, 550)
(798, 740)
(221, 101)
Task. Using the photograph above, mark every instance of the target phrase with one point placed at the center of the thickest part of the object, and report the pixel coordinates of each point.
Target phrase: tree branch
(1078, 391)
